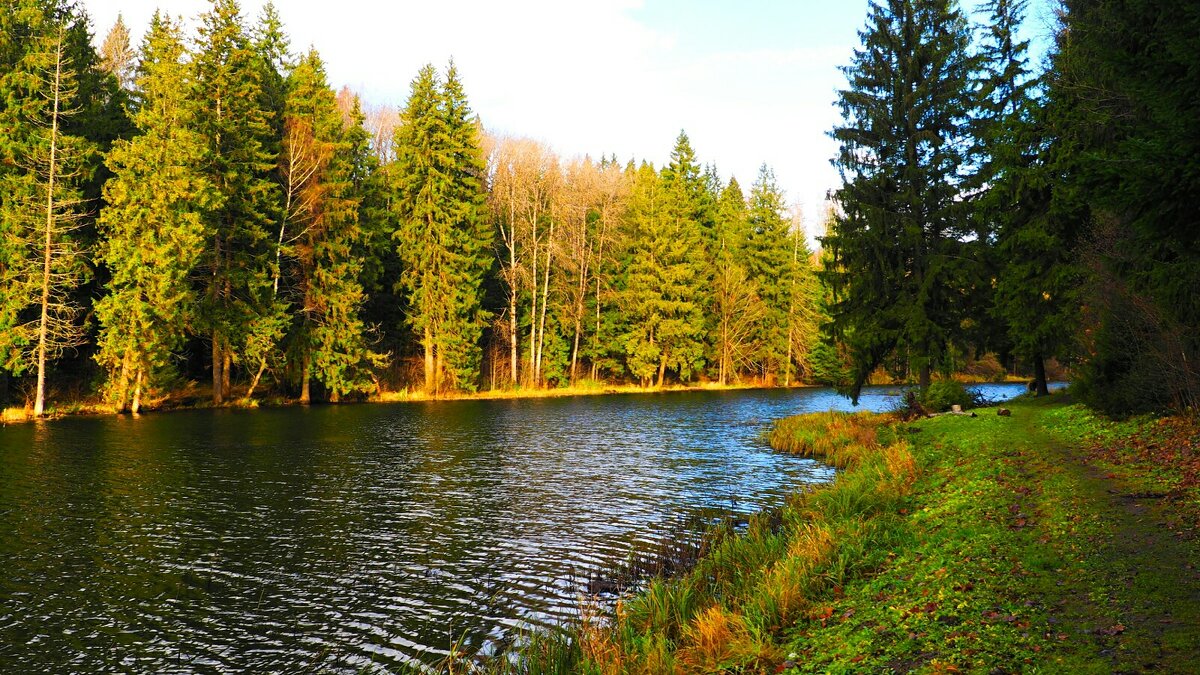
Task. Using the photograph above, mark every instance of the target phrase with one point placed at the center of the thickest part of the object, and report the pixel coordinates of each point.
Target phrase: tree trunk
(226, 371)
(39, 403)
(575, 349)
(512, 338)
(545, 301)
(428, 344)
(596, 337)
(438, 369)
(262, 367)
(787, 365)
(533, 305)
(217, 378)
(1039, 376)
(122, 388)
(137, 393)
(662, 369)
(926, 377)
(305, 386)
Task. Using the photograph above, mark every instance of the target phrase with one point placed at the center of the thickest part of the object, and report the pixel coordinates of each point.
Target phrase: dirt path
(1139, 595)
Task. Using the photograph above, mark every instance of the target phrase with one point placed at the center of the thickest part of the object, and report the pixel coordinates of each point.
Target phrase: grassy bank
(988, 544)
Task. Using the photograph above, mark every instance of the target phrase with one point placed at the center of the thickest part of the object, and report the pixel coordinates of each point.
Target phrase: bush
(943, 394)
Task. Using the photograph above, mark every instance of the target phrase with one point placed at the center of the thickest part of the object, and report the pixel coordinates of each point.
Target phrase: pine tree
(116, 54)
(443, 237)
(272, 52)
(238, 130)
(641, 303)
(153, 225)
(732, 220)
(767, 255)
(1127, 150)
(667, 271)
(35, 37)
(323, 237)
(472, 237)
(43, 261)
(737, 307)
(1036, 274)
(898, 276)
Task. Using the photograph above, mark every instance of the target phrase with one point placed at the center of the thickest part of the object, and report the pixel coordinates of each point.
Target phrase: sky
(750, 81)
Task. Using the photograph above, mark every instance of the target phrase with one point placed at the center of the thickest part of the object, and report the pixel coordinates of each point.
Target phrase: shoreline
(1048, 539)
(194, 399)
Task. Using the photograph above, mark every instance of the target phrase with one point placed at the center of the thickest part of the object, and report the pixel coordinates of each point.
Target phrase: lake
(334, 537)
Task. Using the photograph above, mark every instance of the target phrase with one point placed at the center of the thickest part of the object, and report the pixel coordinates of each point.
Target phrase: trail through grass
(955, 544)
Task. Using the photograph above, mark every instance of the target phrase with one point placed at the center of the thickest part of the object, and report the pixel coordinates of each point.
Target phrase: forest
(206, 208)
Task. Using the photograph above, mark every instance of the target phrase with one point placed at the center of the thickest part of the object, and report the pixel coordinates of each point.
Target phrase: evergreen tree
(899, 274)
(667, 271)
(473, 256)
(1036, 273)
(239, 133)
(47, 157)
(324, 240)
(271, 48)
(767, 254)
(153, 225)
(116, 54)
(641, 300)
(442, 234)
(732, 221)
(1127, 149)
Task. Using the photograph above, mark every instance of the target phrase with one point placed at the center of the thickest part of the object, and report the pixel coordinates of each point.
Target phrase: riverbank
(197, 398)
(1001, 544)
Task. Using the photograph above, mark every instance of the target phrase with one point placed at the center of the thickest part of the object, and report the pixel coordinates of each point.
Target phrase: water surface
(335, 537)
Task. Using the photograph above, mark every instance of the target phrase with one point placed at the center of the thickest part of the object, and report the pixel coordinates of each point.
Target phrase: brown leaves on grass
(1169, 443)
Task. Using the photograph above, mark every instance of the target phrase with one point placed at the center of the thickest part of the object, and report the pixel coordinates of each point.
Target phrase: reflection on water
(334, 537)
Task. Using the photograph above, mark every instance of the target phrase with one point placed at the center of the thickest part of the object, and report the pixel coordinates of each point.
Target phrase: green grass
(953, 544)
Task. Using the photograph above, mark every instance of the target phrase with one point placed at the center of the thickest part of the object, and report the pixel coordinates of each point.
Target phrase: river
(335, 537)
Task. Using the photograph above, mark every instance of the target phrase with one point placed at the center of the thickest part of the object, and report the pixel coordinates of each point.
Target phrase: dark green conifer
(899, 274)
(240, 136)
(154, 222)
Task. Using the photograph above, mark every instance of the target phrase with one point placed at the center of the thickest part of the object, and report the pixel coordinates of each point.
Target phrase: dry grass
(731, 613)
(14, 415)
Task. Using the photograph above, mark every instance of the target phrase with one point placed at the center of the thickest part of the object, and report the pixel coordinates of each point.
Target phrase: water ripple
(334, 538)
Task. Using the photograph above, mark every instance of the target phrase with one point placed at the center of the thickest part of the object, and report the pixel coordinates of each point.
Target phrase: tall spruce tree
(239, 133)
(327, 335)
(1032, 244)
(48, 164)
(154, 223)
(442, 237)
(898, 275)
(472, 239)
(667, 273)
(767, 253)
(1127, 148)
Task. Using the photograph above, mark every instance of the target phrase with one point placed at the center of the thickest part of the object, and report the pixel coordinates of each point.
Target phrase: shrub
(943, 394)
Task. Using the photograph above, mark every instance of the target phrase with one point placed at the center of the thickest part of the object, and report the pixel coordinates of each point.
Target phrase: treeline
(1041, 210)
(207, 207)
